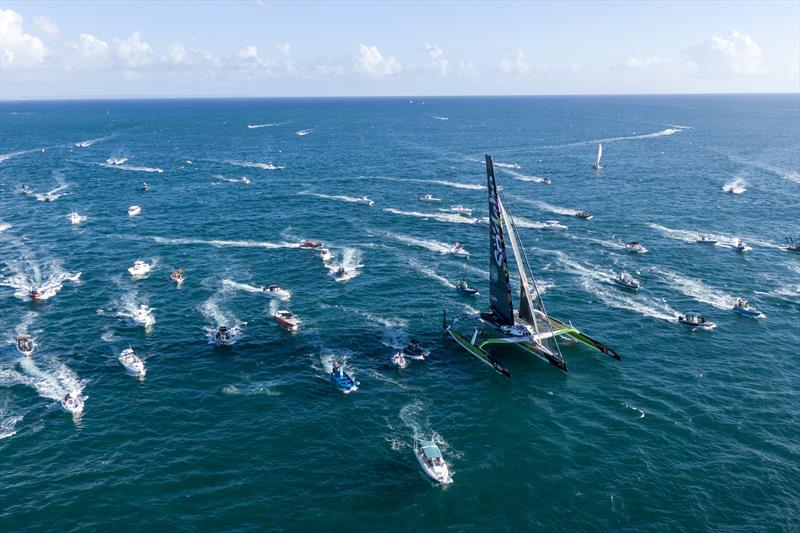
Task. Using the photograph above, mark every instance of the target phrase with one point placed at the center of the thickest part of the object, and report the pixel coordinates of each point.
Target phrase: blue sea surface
(691, 430)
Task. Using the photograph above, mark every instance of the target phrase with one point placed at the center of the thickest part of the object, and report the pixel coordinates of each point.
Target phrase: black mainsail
(500, 303)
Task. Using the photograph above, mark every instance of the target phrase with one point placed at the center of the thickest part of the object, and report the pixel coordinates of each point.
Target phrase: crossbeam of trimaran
(531, 328)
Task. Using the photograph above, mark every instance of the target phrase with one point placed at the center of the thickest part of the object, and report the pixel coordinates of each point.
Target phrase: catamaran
(530, 328)
(597, 165)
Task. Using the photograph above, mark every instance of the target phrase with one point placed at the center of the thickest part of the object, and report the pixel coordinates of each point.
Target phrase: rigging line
(533, 281)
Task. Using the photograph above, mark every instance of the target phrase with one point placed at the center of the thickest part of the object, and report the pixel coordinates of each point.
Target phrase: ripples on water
(689, 431)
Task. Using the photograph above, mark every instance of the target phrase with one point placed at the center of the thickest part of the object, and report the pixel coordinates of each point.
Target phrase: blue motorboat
(743, 308)
(343, 381)
(464, 288)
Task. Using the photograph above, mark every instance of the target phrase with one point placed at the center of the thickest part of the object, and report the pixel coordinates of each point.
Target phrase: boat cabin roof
(429, 449)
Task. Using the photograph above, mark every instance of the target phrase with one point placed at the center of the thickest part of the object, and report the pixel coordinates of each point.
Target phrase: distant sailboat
(597, 165)
(529, 327)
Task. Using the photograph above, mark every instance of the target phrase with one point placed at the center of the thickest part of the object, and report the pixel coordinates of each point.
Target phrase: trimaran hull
(530, 329)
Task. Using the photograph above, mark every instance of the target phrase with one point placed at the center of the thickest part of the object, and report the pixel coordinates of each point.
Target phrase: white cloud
(437, 58)
(283, 48)
(515, 65)
(179, 55)
(133, 52)
(736, 54)
(467, 69)
(17, 48)
(90, 46)
(645, 63)
(371, 62)
(45, 25)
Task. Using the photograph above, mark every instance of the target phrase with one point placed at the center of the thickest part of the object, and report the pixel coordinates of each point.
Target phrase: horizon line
(343, 97)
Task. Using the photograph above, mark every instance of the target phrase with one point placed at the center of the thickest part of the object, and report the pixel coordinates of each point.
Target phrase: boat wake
(640, 304)
(8, 424)
(691, 236)
(253, 388)
(218, 316)
(553, 208)
(530, 224)
(697, 290)
(441, 217)
(443, 119)
(397, 323)
(217, 243)
(350, 261)
(25, 276)
(444, 183)
(235, 285)
(251, 164)
(90, 142)
(268, 125)
(522, 177)
(340, 198)
(243, 179)
(735, 186)
(662, 133)
(4, 226)
(513, 166)
(303, 133)
(6, 157)
(129, 304)
(132, 168)
(52, 381)
(429, 272)
(54, 194)
(434, 246)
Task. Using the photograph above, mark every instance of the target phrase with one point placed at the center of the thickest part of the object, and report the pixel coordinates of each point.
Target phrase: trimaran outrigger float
(530, 328)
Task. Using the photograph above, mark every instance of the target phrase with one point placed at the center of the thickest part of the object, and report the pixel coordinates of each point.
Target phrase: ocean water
(691, 430)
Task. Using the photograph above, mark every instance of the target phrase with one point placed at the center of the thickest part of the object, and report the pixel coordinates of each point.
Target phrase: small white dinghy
(134, 211)
(72, 403)
(116, 160)
(636, 247)
(224, 336)
(430, 459)
(132, 363)
(458, 250)
(75, 218)
(277, 292)
(429, 198)
(326, 255)
(140, 268)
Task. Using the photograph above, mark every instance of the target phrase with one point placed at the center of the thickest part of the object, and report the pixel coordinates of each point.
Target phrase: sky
(264, 48)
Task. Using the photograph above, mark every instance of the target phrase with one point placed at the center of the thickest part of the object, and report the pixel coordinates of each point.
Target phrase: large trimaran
(530, 328)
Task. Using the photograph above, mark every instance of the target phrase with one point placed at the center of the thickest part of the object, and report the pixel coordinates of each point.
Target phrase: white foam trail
(508, 165)
(440, 118)
(230, 284)
(129, 304)
(28, 275)
(429, 272)
(692, 236)
(133, 168)
(434, 246)
(303, 133)
(341, 198)
(640, 304)
(441, 217)
(614, 245)
(530, 224)
(218, 316)
(53, 194)
(53, 380)
(4, 226)
(641, 412)
(220, 243)
(253, 388)
(522, 177)
(351, 262)
(697, 290)
(661, 133)
(396, 322)
(90, 142)
(587, 271)
(251, 164)
(243, 179)
(8, 424)
(444, 183)
(555, 208)
(6, 157)
(735, 186)
(268, 125)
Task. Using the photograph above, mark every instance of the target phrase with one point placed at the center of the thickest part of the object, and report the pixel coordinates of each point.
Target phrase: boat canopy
(429, 449)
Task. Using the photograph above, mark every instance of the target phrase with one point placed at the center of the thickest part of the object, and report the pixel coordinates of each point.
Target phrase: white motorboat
(144, 315)
(140, 268)
(696, 321)
(224, 335)
(287, 320)
(636, 247)
(48, 197)
(553, 225)
(366, 201)
(246, 180)
(705, 239)
(399, 360)
(145, 187)
(458, 249)
(741, 246)
(116, 160)
(275, 291)
(584, 215)
(413, 350)
(429, 198)
(75, 218)
(25, 344)
(132, 363)
(72, 403)
(134, 211)
(326, 255)
(461, 209)
(743, 308)
(626, 281)
(430, 459)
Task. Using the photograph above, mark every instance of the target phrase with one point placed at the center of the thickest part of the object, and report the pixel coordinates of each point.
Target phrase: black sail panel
(525, 312)
(500, 301)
